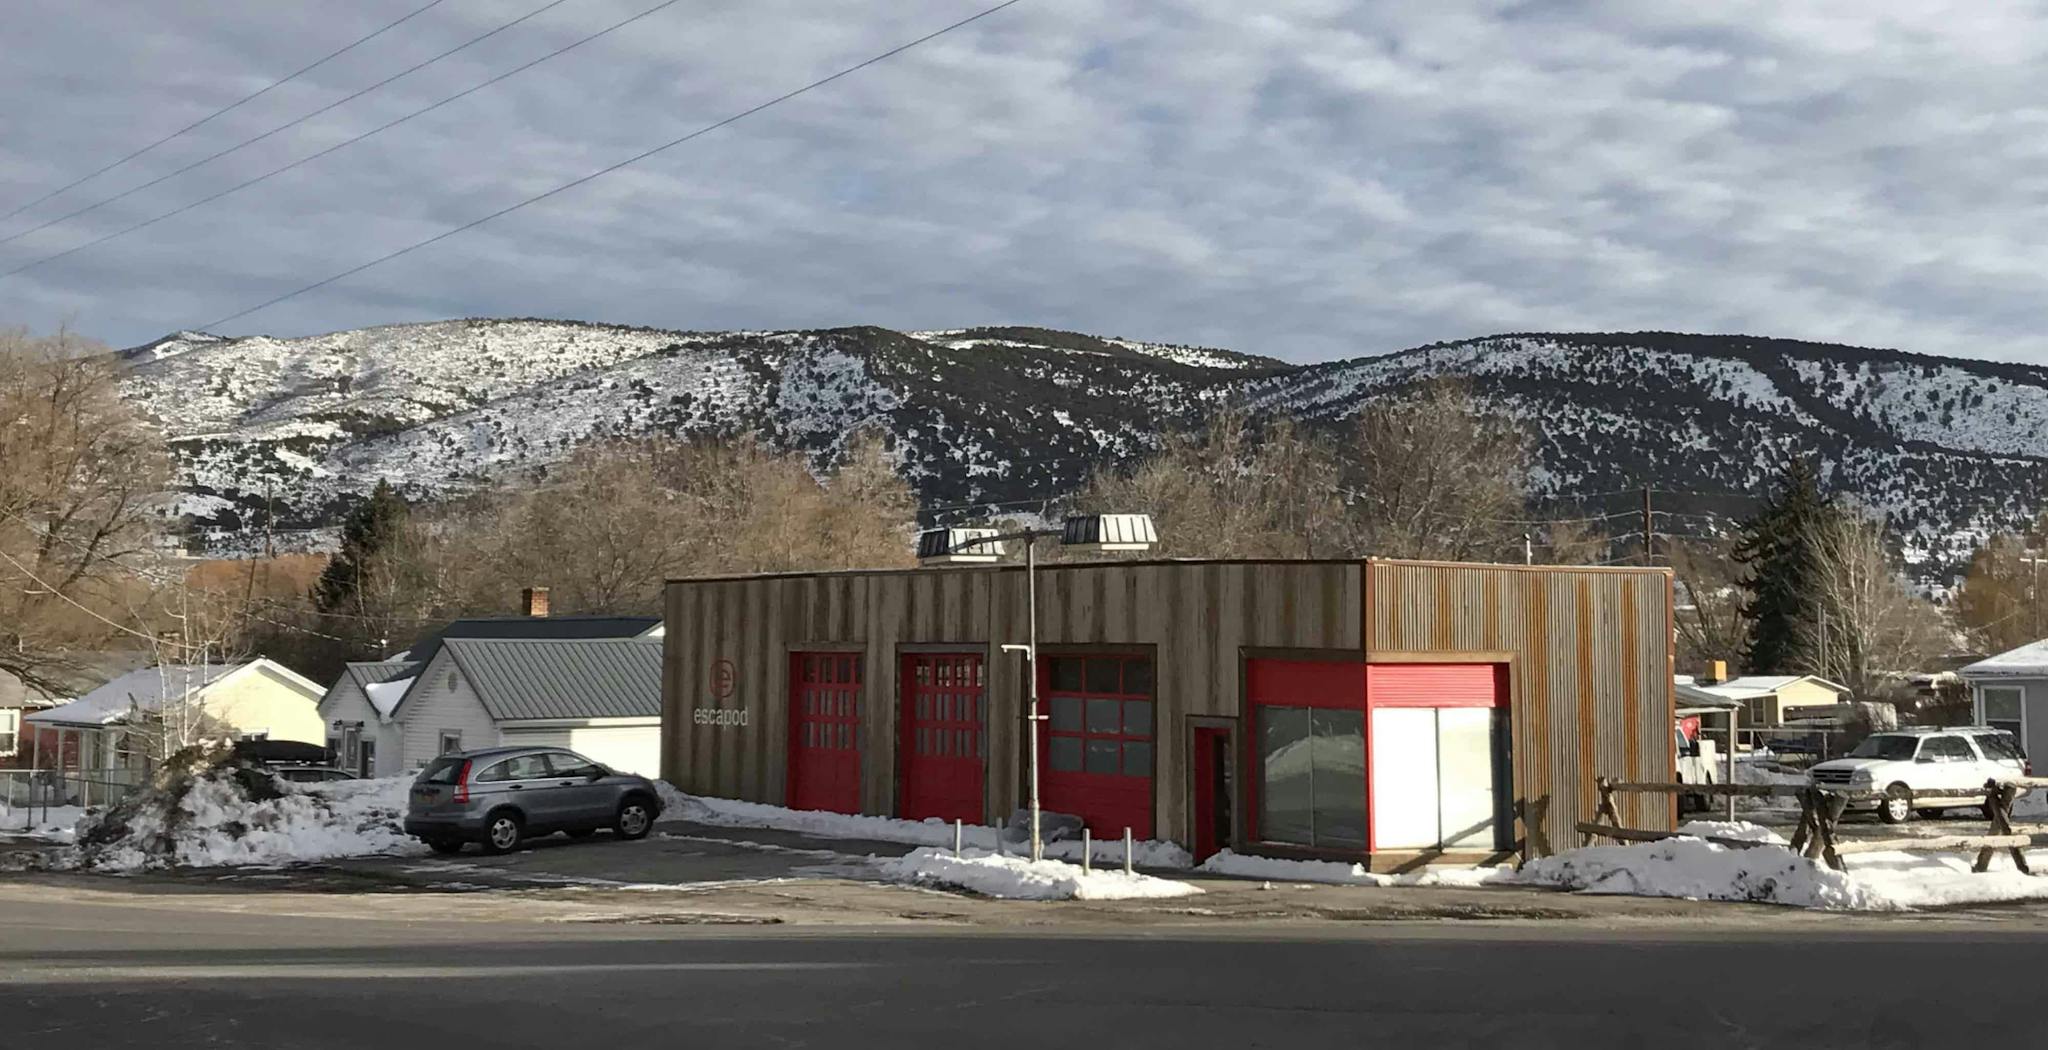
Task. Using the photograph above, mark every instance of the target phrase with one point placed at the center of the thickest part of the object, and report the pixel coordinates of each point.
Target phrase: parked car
(499, 797)
(1901, 761)
(312, 774)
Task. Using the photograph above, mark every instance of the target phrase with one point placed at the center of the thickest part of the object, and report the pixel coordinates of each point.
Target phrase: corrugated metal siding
(1592, 671)
(1195, 617)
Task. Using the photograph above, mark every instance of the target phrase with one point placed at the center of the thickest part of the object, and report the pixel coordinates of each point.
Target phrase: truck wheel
(1897, 806)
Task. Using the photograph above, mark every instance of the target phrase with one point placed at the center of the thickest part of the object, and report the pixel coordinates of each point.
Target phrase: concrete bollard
(1087, 852)
(1127, 852)
(956, 838)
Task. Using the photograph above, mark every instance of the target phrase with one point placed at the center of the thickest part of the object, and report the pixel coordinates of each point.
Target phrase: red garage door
(1096, 748)
(824, 731)
(944, 741)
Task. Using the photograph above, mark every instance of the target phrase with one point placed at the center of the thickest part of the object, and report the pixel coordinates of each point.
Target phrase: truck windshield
(1897, 748)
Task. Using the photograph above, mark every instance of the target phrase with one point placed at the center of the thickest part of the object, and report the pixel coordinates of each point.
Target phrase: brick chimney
(534, 600)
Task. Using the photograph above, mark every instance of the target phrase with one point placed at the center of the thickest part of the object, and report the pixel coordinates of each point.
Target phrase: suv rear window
(442, 771)
(1998, 746)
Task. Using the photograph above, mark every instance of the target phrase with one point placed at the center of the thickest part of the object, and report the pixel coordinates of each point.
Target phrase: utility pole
(1528, 550)
(1649, 535)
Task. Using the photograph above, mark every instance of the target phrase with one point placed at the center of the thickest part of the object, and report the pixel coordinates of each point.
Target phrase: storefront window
(1312, 761)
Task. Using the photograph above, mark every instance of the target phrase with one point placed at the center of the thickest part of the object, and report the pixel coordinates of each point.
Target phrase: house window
(2002, 708)
(10, 731)
(451, 741)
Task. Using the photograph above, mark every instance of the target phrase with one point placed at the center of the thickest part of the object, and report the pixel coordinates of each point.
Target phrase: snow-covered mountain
(299, 428)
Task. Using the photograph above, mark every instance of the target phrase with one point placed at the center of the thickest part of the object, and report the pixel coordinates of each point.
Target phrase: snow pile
(1342, 874)
(1018, 878)
(732, 813)
(1695, 869)
(223, 815)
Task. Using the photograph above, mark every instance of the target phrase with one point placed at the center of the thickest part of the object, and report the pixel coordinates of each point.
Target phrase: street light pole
(1031, 715)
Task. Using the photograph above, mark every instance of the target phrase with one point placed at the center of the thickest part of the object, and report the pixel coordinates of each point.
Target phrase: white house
(1767, 699)
(260, 698)
(597, 696)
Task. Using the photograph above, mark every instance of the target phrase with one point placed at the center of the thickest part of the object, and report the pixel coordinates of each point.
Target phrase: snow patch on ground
(732, 813)
(1340, 873)
(216, 824)
(1018, 878)
(55, 824)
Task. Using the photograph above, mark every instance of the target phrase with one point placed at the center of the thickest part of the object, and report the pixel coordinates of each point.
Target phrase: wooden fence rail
(1820, 812)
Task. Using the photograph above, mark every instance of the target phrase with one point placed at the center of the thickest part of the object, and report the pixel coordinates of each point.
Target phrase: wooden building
(1385, 710)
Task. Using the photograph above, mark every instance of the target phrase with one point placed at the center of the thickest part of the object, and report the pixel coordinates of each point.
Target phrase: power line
(211, 157)
(82, 607)
(224, 110)
(245, 184)
(671, 144)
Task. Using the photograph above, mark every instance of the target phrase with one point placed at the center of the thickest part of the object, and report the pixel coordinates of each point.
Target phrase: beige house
(112, 726)
(1769, 699)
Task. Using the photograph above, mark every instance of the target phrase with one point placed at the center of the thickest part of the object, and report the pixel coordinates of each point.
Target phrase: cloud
(1303, 178)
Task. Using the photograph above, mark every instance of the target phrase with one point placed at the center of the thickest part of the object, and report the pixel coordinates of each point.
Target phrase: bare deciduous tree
(1708, 603)
(78, 472)
(1870, 626)
(1434, 477)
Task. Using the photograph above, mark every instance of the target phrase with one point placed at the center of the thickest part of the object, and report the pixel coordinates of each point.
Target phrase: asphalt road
(80, 974)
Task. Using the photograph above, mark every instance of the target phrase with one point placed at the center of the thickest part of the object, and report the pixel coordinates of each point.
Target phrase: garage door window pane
(1102, 756)
(1137, 759)
(1339, 789)
(1137, 718)
(1104, 716)
(1066, 673)
(1285, 802)
(1138, 676)
(1066, 713)
(1066, 754)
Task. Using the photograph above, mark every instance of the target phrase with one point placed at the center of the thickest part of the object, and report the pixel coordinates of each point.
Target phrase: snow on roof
(384, 696)
(2027, 661)
(144, 689)
(1763, 684)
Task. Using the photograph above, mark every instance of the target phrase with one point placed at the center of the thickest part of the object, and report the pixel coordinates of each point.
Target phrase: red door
(824, 731)
(944, 739)
(1095, 749)
(1213, 790)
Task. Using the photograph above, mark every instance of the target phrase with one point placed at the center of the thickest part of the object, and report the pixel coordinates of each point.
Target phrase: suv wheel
(1897, 805)
(502, 832)
(635, 819)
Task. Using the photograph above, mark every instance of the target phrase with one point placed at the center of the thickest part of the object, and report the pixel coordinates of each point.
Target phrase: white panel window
(1467, 806)
(1404, 778)
(2003, 707)
(10, 731)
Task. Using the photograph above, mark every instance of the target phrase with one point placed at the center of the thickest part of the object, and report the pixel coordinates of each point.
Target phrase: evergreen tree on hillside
(372, 530)
(1784, 574)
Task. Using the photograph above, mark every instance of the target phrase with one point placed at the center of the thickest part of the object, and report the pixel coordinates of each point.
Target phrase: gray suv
(500, 796)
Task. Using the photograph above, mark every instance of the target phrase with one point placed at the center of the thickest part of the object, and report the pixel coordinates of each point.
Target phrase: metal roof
(527, 678)
(368, 674)
(2027, 661)
(531, 627)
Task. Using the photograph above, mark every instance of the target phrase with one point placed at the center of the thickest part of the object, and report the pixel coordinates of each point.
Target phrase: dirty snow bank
(228, 815)
(1018, 878)
(1340, 873)
(732, 813)
(1698, 870)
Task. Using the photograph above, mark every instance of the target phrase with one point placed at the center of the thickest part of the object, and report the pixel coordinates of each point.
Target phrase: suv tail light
(462, 783)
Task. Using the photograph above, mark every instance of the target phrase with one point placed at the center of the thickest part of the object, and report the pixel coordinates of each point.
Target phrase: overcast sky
(1289, 177)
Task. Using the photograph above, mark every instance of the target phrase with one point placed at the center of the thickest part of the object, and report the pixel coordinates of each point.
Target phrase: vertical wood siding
(1194, 617)
(1592, 672)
